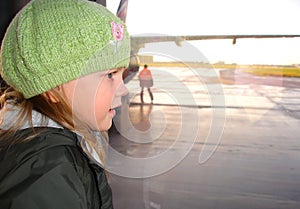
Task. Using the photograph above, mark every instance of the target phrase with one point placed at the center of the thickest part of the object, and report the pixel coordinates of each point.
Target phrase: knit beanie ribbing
(51, 42)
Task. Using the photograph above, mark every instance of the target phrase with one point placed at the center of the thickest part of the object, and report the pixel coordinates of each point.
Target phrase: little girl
(63, 62)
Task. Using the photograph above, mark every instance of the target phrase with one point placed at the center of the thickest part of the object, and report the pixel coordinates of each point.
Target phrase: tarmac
(212, 138)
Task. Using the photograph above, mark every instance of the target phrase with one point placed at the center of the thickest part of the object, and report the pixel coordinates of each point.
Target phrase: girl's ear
(51, 96)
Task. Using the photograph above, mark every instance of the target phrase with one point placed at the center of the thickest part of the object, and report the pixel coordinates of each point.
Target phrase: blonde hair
(60, 112)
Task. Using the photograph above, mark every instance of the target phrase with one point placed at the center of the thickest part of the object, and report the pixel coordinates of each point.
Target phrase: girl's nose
(122, 90)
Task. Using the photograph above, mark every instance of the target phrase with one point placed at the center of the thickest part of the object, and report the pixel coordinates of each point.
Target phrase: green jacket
(51, 172)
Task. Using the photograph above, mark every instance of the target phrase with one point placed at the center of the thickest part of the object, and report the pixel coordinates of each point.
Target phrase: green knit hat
(51, 42)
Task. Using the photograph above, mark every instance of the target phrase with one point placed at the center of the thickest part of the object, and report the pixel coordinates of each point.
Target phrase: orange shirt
(145, 74)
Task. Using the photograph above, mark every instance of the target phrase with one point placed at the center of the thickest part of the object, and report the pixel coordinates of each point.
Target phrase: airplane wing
(138, 42)
(141, 40)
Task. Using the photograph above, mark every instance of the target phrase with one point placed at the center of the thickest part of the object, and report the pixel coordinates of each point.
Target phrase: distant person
(146, 81)
(62, 61)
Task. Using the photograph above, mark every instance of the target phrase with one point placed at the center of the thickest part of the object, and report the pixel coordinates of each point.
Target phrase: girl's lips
(112, 112)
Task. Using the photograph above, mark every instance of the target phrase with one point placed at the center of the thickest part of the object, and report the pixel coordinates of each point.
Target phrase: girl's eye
(110, 75)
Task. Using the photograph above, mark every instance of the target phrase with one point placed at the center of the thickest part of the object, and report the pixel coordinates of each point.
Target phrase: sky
(221, 17)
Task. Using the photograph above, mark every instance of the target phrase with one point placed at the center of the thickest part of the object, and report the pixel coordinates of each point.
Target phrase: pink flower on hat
(117, 30)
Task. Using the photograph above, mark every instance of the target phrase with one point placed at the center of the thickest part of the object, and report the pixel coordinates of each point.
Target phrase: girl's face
(95, 96)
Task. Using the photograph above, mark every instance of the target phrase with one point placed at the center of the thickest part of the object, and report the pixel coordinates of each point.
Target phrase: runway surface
(209, 140)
